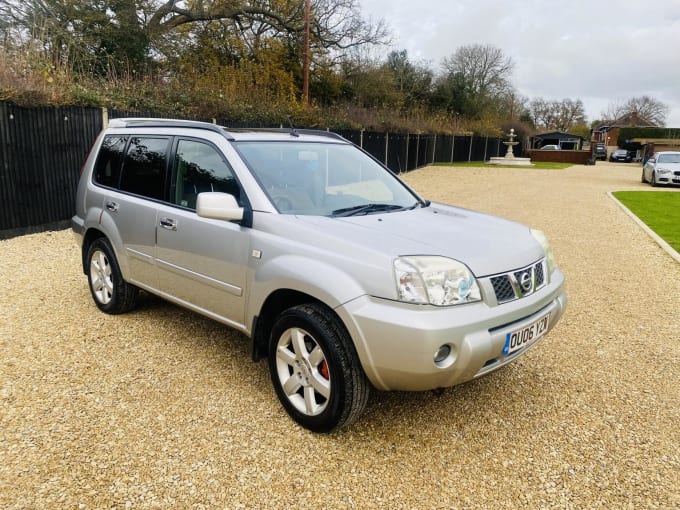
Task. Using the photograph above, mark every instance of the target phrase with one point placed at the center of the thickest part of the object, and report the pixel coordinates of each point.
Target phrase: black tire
(110, 292)
(653, 181)
(315, 369)
(642, 179)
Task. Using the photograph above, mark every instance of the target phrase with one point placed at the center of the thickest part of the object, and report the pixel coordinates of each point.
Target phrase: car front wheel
(110, 292)
(315, 369)
(653, 181)
(642, 179)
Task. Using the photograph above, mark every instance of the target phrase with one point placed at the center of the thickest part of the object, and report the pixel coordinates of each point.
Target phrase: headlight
(439, 281)
(663, 170)
(543, 241)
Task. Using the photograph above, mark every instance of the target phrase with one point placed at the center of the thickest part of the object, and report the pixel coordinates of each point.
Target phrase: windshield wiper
(420, 203)
(365, 209)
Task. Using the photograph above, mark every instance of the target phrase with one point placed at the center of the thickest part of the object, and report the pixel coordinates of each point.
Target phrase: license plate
(520, 338)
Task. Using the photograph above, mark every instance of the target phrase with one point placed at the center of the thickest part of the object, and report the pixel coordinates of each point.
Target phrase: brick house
(608, 132)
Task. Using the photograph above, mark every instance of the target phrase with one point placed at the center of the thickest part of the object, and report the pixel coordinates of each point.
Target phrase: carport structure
(566, 141)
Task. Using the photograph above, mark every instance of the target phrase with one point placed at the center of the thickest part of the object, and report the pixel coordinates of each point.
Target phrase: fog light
(442, 353)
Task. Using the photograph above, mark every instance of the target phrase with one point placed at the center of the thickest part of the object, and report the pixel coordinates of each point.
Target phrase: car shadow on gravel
(194, 331)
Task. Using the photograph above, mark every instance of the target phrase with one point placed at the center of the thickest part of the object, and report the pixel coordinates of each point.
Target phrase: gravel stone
(162, 408)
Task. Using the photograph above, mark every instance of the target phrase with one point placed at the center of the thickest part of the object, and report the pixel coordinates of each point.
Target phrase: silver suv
(339, 273)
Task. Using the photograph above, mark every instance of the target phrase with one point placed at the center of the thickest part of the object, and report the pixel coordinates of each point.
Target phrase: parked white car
(662, 168)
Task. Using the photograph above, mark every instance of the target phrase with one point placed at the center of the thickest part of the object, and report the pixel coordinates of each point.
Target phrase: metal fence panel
(397, 152)
(425, 150)
(494, 148)
(412, 155)
(443, 152)
(353, 135)
(461, 148)
(374, 144)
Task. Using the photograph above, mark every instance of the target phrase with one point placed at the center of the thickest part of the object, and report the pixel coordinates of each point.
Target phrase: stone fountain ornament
(509, 158)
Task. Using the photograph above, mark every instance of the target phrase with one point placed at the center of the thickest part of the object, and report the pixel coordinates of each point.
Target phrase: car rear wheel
(642, 179)
(315, 369)
(110, 292)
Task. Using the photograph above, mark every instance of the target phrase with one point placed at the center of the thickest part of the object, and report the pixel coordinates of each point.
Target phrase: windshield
(668, 158)
(326, 179)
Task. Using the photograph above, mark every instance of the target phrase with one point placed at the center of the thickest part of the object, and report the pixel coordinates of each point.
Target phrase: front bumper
(397, 342)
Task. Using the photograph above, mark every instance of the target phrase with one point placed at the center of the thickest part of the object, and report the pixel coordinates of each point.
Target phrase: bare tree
(335, 23)
(557, 115)
(645, 106)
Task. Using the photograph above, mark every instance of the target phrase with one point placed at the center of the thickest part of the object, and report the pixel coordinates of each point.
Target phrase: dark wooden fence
(42, 150)
(41, 153)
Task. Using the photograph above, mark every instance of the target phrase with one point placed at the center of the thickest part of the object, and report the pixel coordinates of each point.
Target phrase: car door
(133, 171)
(202, 263)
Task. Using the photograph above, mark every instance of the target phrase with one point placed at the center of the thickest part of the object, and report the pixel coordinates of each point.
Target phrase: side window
(200, 167)
(144, 166)
(109, 159)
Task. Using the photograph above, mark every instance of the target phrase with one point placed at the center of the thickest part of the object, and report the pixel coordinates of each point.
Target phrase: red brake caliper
(323, 370)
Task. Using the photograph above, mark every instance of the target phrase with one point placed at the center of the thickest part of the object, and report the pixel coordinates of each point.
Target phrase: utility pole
(305, 65)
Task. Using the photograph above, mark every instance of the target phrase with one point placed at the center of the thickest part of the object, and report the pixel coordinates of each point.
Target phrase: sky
(599, 52)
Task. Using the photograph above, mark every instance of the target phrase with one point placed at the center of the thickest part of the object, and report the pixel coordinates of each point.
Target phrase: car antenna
(293, 131)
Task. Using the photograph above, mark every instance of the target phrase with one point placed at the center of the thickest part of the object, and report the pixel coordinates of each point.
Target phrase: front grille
(502, 288)
(540, 276)
(518, 284)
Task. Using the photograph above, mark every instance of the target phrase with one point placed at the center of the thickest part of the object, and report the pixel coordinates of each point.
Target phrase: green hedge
(629, 133)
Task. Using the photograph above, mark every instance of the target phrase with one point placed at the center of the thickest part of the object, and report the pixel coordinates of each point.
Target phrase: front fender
(324, 282)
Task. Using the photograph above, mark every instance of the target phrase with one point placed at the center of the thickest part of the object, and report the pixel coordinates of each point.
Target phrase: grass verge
(659, 210)
(538, 165)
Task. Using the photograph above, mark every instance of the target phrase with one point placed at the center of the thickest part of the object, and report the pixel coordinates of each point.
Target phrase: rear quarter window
(109, 161)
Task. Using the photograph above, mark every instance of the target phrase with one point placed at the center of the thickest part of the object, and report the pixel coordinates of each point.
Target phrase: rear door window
(145, 166)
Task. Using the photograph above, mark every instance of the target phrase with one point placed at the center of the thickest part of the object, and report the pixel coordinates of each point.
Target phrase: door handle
(168, 223)
(112, 206)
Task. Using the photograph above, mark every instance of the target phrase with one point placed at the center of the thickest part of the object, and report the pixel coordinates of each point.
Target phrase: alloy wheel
(302, 370)
(100, 277)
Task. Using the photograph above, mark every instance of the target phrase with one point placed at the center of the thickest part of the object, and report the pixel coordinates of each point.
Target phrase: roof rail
(160, 123)
(139, 122)
(293, 132)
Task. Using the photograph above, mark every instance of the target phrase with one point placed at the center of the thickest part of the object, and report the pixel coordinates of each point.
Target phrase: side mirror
(218, 206)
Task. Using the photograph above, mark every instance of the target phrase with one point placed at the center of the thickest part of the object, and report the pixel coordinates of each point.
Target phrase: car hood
(668, 166)
(486, 244)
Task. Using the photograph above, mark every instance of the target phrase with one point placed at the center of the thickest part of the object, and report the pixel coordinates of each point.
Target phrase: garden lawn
(659, 210)
(538, 165)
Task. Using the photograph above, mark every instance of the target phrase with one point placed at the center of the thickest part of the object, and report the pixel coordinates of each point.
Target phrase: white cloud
(599, 52)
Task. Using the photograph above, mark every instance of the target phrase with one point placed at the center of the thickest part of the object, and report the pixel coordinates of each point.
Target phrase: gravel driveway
(162, 408)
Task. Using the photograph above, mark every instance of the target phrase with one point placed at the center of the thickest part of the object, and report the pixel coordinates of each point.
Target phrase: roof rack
(160, 123)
